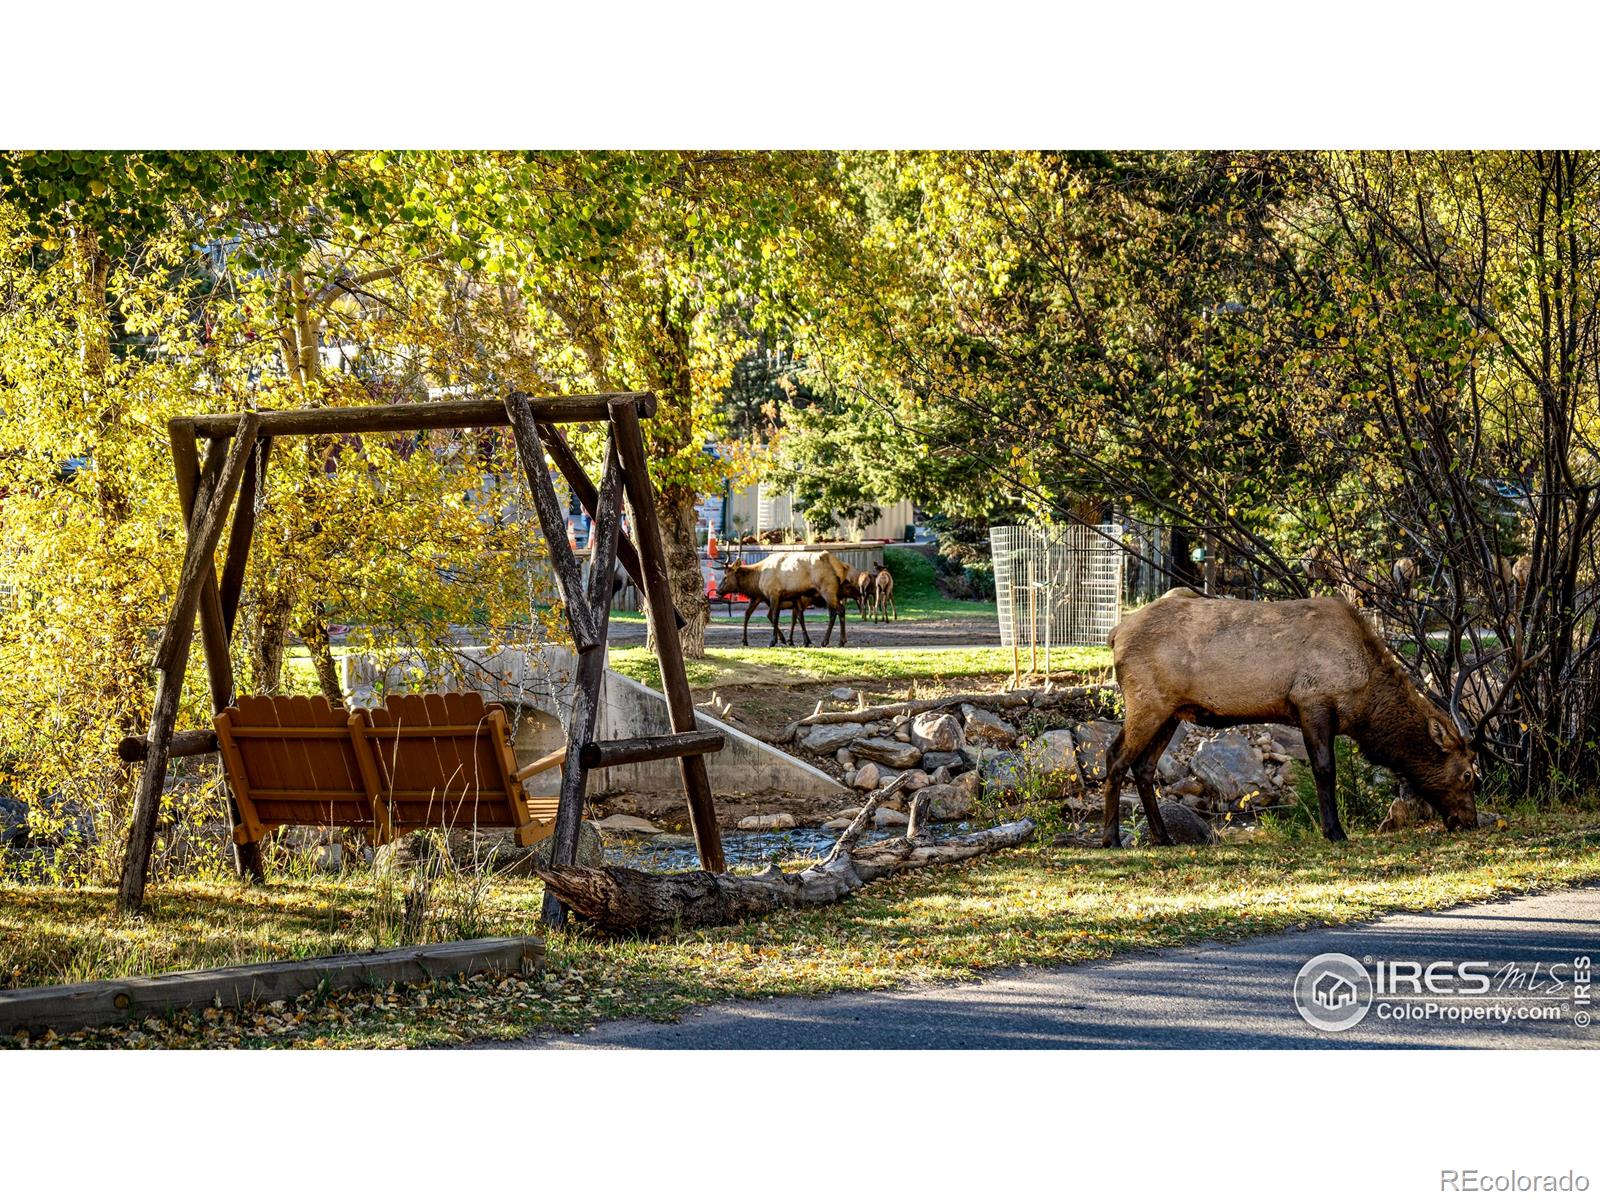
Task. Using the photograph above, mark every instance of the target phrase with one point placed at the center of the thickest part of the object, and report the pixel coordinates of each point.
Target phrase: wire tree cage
(1056, 587)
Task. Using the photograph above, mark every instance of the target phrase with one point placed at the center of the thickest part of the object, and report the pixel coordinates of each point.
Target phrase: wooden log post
(669, 650)
(588, 619)
(172, 658)
(219, 603)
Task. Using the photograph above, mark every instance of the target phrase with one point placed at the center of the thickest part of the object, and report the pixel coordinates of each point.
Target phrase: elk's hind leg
(1144, 778)
(1128, 748)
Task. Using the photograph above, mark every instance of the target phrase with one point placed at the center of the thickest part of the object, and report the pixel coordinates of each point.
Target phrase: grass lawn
(1032, 905)
(784, 664)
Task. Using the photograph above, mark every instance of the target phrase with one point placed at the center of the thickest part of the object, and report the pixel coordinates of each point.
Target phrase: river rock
(768, 821)
(1093, 739)
(936, 731)
(844, 758)
(825, 739)
(13, 819)
(627, 823)
(914, 780)
(935, 760)
(836, 824)
(887, 751)
(1187, 827)
(1230, 766)
(985, 728)
(1054, 755)
(866, 777)
(1004, 773)
(841, 693)
(946, 802)
(1290, 741)
(888, 818)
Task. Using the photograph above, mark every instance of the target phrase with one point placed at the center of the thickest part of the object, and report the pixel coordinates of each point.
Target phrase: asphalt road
(1204, 996)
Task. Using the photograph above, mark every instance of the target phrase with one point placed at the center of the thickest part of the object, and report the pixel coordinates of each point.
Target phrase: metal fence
(1057, 586)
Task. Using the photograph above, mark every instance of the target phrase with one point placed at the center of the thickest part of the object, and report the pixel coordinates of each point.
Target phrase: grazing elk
(788, 580)
(1315, 664)
(861, 585)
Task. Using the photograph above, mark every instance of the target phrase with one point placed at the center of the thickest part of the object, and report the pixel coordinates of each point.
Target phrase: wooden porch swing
(419, 761)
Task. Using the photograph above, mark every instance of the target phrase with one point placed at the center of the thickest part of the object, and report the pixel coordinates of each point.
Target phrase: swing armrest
(543, 763)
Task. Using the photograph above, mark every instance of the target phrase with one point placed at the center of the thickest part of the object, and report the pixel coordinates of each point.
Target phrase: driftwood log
(623, 900)
(1020, 698)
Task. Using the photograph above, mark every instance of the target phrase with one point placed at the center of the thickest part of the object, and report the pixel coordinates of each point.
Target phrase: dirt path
(920, 633)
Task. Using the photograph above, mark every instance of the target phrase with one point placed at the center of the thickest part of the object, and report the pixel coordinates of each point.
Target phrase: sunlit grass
(803, 664)
(1033, 905)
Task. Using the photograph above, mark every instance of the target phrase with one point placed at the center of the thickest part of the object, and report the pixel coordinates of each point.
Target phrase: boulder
(887, 751)
(946, 801)
(1187, 827)
(982, 727)
(836, 824)
(936, 760)
(888, 818)
(841, 693)
(1003, 773)
(827, 738)
(1230, 766)
(943, 775)
(915, 780)
(1054, 756)
(13, 820)
(627, 823)
(1094, 740)
(866, 777)
(936, 731)
(1290, 741)
(768, 821)
(848, 814)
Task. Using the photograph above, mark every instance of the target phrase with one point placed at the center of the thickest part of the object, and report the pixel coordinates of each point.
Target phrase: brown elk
(1315, 664)
(788, 580)
(883, 593)
(861, 587)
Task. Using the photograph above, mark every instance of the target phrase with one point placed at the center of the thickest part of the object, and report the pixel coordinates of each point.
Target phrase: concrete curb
(73, 1006)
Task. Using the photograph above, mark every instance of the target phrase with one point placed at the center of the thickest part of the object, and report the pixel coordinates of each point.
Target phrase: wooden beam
(173, 656)
(583, 488)
(401, 418)
(205, 530)
(184, 744)
(669, 650)
(68, 1007)
(650, 749)
(552, 521)
(237, 558)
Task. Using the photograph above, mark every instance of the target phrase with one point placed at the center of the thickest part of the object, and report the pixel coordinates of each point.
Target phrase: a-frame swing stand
(237, 449)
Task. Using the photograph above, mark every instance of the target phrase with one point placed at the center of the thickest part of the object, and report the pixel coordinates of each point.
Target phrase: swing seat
(442, 760)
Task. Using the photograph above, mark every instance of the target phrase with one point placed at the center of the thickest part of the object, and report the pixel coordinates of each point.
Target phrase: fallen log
(1020, 698)
(623, 900)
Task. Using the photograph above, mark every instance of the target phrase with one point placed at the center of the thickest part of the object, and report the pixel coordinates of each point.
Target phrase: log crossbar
(403, 418)
(649, 749)
(226, 483)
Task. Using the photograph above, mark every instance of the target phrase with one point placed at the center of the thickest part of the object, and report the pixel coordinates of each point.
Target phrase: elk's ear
(1439, 734)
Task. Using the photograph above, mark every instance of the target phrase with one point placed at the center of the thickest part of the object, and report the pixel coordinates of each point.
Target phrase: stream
(675, 852)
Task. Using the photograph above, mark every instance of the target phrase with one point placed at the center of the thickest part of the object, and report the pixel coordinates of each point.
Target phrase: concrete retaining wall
(538, 685)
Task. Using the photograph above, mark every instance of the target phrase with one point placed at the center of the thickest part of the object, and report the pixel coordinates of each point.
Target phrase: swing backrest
(445, 758)
(427, 761)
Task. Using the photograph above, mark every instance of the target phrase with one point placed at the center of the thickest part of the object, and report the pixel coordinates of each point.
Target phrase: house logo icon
(1333, 992)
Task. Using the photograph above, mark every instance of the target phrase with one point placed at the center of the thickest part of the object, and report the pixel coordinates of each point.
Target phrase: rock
(1054, 756)
(844, 758)
(946, 802)
(1491, 820)
(850, 778)
(1186, 826)
(888, 818)
(768, 821)
(512, 859)
(487, 850)
(1094, 740)
(902, 735)
(328, 859)
(888, 752)
(1239, 833)
(915, 780)
(836, 824)
(970, 785)
(943, 775)
(841, 693)
(848, 814)
(1291, 742)
(1170, 768)
(867, 777)
(626, 823)
(1189, 786)
(1004, 773)
(934, 760)
(13, 820)
(1230, 766)
(825, 739)
(984, 728)
(936, 731)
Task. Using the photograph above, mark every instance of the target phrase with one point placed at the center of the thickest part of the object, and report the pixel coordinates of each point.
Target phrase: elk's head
(734, 580)
(1449, 782)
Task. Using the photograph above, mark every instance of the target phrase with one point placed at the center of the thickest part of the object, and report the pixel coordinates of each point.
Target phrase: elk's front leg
(1319, 729)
